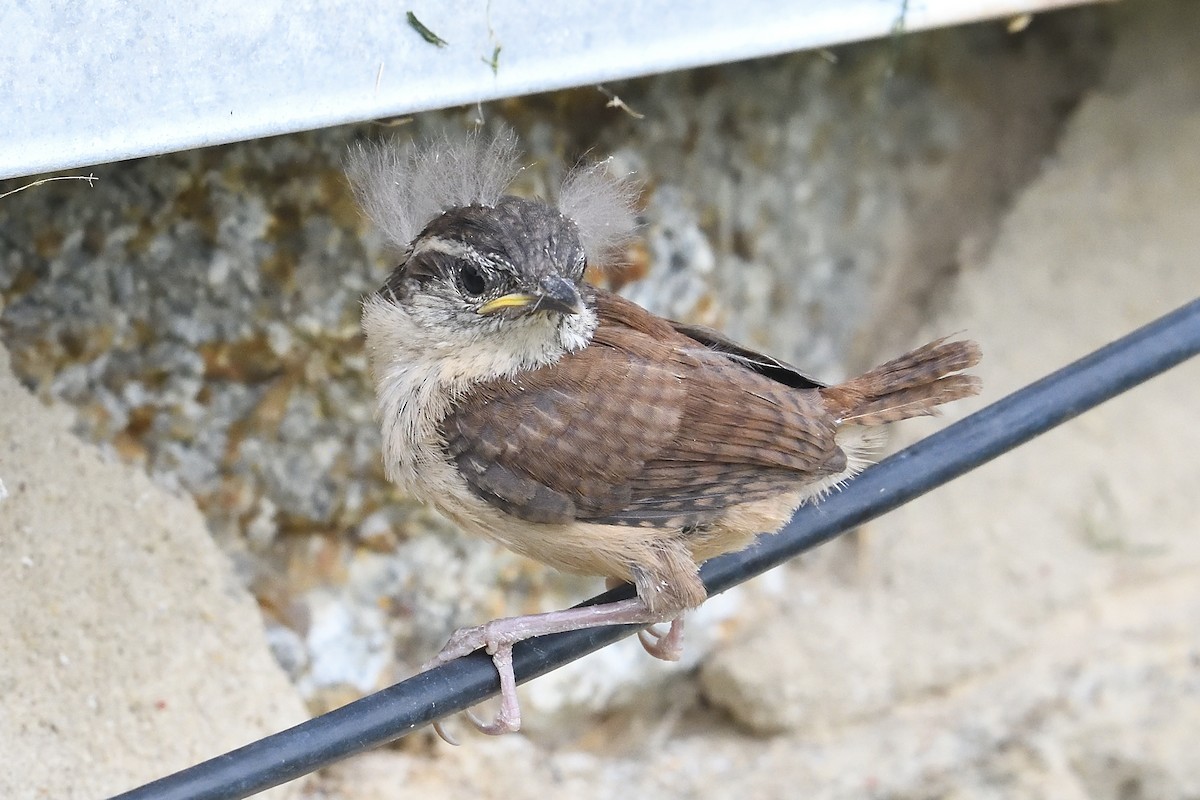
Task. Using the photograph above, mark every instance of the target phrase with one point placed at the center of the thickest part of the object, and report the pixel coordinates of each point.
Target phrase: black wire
(953, 451)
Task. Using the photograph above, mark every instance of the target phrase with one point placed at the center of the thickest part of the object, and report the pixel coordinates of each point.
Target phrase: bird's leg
(499, 636)
(668, 646)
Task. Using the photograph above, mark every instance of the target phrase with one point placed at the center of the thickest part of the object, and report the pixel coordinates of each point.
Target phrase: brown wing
(645, 426)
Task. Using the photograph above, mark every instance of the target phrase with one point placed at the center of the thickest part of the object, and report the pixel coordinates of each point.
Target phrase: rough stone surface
(127, 647)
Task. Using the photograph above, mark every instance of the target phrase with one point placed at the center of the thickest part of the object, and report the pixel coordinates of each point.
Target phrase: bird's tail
(913, 385)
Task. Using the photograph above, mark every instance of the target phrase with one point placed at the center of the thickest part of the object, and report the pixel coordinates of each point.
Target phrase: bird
(573, 426)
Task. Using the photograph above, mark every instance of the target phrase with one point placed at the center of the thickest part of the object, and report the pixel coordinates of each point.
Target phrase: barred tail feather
(913, 385)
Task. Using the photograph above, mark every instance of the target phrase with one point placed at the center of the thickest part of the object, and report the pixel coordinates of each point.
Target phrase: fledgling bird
(570, 424)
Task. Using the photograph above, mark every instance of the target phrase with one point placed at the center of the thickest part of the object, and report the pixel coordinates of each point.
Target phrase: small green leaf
(426, 34)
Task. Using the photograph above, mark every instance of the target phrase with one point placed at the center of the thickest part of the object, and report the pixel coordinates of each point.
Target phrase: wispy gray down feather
(602, 207)
(401, 189)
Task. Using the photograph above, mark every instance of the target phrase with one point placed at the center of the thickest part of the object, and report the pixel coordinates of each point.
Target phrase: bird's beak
(553, 294)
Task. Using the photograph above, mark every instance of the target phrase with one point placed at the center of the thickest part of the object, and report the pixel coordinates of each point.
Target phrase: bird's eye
(470, 280)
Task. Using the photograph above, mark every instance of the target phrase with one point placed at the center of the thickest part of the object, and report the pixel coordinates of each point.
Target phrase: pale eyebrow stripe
(457, 249)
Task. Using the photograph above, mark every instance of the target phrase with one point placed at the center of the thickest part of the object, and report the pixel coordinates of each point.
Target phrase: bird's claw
(498, 637)
(669, 645)
(468, 640)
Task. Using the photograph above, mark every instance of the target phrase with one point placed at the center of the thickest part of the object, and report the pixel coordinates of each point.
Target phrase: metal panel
(87, 83)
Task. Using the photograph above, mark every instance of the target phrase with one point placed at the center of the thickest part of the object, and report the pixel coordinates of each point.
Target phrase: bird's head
(484, 271)
(480, 269)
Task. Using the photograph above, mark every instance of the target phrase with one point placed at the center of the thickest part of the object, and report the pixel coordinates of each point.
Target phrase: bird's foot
(498, 640)
(498, 637)
(666, 645)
